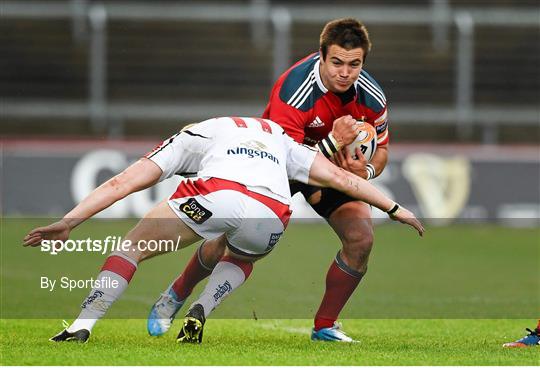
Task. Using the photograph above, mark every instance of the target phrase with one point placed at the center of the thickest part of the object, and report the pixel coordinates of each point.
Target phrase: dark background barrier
(493, 183)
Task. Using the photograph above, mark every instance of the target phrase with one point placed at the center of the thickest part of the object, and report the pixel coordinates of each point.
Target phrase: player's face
(341, 68)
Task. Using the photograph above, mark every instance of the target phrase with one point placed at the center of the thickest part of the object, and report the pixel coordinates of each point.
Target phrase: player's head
(347, 33)
(344, 45)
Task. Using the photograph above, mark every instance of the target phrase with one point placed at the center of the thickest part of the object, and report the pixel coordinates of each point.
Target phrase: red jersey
(306, 109)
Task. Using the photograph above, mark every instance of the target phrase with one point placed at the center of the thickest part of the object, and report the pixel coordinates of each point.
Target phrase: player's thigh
(352, 223)
(259, 231)
(325, 200)
(311, 193)
(160, 231)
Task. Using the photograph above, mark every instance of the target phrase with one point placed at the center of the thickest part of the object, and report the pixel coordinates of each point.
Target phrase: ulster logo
(195, 211)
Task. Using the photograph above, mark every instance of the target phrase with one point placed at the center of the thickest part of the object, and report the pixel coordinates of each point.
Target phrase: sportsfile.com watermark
(109, 244)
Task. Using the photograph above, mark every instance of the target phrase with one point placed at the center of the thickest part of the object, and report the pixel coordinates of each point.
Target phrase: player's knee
(357, 238)
(357, 245)
(214, 249)
(356, 258)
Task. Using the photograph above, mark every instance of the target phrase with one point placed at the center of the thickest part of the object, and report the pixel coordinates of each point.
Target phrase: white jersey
(251, 151)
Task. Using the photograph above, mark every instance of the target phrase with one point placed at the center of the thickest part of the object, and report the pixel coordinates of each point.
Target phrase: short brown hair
(347, 33)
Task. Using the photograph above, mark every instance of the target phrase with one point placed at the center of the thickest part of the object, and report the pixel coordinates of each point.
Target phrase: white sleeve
(299, 159)
(183, 152)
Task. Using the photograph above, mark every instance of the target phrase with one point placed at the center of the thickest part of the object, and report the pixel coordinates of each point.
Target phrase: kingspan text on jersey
(251, 153)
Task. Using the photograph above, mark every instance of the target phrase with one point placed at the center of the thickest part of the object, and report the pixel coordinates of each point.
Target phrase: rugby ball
(366, 141)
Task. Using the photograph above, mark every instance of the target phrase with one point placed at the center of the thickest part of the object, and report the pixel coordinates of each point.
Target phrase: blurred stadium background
(88, 86)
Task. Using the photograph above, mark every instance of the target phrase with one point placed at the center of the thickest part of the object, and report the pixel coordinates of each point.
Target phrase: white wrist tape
(371, 171)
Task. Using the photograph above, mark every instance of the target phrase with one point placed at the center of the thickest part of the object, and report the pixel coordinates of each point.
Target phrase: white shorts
(252, 222)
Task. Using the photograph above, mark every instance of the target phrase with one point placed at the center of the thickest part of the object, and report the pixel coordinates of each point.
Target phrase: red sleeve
(290, 119)
(380, 123)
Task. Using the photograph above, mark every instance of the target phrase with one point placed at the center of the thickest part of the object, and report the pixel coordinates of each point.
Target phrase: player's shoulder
(370, 93)
(299, 87)
(264, 125)
(275, 126)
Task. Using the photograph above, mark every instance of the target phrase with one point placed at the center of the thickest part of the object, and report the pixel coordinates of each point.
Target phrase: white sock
(112, 285)
(227, 275)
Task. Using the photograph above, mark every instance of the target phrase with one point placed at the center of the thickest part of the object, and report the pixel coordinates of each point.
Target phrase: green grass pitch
(274, 342)
(451, 298)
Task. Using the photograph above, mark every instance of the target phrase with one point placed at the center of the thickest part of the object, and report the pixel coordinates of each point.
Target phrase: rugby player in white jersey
(241, 196)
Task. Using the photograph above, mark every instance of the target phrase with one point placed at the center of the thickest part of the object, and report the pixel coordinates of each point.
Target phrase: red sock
(538, 326)
(341, 281)
(120, 265)
(194, 273)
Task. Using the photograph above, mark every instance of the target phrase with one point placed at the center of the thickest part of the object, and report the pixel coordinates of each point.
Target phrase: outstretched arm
(325, 174)
(141, 175)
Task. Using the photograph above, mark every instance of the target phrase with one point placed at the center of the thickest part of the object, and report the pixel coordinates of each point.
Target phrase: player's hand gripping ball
(366, 141)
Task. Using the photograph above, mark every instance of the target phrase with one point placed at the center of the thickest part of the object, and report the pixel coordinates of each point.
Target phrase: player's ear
(321, 54)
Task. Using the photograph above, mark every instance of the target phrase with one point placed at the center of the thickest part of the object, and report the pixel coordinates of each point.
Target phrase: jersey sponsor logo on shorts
(274, 238)
(317, 123)
(222, 290)
(195, 211)
(252, 153)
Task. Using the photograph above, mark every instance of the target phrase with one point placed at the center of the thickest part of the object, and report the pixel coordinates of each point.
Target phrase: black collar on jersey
(348, 95)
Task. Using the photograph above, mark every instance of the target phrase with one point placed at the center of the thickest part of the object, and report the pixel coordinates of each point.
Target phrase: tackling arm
(141, 175)
(323, 173)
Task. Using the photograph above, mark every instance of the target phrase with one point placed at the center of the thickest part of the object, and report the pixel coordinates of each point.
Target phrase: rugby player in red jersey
(319, 102)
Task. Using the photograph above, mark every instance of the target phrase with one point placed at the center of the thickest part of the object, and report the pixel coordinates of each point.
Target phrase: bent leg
(231, 272)
(352, 223)
(159, 224)
(199, 267)
(253, 239)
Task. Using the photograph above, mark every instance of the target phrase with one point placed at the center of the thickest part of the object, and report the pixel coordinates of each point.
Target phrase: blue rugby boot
(532, 339)
(163, 312)
(333, 333)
